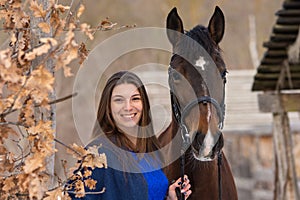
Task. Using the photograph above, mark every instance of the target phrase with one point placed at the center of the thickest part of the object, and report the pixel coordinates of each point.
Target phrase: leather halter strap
(203, 99)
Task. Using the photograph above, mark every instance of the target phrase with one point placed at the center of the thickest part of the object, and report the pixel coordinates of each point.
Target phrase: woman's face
(126, 105)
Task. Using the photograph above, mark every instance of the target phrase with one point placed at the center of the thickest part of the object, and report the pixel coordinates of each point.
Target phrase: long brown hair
(146, 141)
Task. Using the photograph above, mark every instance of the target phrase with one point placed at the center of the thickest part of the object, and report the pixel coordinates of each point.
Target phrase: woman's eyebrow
(117, 95)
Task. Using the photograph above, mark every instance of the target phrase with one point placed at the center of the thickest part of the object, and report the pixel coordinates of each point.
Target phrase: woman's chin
(128, 124)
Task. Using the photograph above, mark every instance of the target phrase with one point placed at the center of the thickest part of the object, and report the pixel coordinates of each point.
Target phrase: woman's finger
(184, 187)
(186, 181)
(187, 194)
(176, 184)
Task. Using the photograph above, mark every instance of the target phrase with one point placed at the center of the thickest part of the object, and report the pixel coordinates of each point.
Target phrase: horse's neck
(170, 132)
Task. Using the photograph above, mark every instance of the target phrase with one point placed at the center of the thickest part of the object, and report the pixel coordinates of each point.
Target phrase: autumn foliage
(41, 41)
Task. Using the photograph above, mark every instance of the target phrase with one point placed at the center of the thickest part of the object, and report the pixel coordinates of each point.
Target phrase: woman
(125, 132)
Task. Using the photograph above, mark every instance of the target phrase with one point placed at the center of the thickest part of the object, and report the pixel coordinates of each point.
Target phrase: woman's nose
(128, 105)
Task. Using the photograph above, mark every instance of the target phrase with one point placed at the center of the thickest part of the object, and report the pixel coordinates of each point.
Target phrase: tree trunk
(45, 114)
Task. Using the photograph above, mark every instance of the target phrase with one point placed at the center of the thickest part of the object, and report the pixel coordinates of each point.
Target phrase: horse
(198, 109)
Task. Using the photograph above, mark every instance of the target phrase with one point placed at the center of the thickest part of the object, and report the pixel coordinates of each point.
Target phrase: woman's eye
(136, 99)
(118, 100)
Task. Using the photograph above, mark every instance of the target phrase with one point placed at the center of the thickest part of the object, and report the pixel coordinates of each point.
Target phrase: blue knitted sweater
(156, 180)
(127, 177)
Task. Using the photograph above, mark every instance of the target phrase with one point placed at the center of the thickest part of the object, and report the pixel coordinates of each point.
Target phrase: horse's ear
(174, 26)
(217, 25)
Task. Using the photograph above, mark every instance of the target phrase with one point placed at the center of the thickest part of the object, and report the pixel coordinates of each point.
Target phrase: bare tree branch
(70, 148)
(39, 105)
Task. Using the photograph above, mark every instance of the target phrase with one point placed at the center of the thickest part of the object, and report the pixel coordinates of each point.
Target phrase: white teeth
(128, 115)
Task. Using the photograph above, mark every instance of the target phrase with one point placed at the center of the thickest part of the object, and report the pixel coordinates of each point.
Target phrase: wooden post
(279, 104)
(285, 175)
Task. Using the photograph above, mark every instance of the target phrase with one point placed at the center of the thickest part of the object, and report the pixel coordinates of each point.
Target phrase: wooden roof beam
(270, 102)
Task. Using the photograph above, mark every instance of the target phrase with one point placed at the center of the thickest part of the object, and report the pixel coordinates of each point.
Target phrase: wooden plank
(288, 20)
(276, 45)
(291, 102)
(275, 76)
(289, 29)
(290, 13)
(291, 5)
(294, 68)
(263, 86)
(271, 61)
(283, 37)
(276, 53)
(269, 85)
(269, 102)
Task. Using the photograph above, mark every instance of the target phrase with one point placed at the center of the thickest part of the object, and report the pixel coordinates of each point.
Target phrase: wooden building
(278, 78)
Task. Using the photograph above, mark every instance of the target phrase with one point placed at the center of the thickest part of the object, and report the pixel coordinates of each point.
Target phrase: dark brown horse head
(196, 78)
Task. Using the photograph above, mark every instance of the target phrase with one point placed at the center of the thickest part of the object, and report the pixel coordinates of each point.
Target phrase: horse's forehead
(201, 63)
(202, 75)
(196, 66)
(196, 52)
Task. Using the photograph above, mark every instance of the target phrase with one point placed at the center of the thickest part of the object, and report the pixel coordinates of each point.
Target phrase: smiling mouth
(128, 116)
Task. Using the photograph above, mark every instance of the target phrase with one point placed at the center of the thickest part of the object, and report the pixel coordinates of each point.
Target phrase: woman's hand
(177, 184)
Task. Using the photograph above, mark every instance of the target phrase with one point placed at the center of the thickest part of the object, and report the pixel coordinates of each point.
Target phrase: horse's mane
(201, 35)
